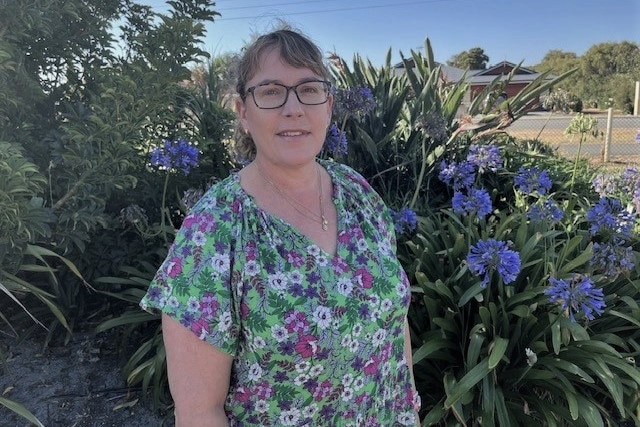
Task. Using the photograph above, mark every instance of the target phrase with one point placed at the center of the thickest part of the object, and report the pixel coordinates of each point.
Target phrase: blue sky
(511, 30)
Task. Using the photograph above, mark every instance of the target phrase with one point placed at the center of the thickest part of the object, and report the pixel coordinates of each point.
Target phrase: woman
(283, 302)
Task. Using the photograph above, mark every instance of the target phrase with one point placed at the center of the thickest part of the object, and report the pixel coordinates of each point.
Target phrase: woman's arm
(198, 377)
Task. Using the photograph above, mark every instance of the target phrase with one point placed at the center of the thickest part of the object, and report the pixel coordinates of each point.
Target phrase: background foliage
(85, 218)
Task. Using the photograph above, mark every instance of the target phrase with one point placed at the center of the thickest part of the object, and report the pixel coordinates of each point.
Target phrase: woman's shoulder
(220, 201)
(346, 175)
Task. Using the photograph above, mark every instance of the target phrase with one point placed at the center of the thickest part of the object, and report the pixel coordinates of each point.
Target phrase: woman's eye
(310, 89)
(270, 91)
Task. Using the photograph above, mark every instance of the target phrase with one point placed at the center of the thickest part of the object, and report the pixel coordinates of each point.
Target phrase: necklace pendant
(325, 223)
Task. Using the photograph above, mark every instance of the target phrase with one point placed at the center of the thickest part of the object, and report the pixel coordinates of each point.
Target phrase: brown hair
(295, 50)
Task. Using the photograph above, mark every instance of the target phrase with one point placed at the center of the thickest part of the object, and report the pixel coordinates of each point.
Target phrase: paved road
(561, 121)
(590, 149)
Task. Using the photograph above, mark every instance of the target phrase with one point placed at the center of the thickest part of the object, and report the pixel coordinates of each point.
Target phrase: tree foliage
(472, 59)
(605, 73)
(83, 110)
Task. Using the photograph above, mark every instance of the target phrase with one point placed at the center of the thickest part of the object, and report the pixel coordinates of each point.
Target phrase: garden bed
(73, 385)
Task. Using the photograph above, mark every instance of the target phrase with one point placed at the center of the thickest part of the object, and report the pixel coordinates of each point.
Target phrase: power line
(235, 18)
(277, 4)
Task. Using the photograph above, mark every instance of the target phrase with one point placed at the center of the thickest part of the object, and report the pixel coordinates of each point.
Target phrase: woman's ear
(241, 111)
(329, 105)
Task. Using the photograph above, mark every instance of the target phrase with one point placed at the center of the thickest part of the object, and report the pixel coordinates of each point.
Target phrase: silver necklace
(299, 207)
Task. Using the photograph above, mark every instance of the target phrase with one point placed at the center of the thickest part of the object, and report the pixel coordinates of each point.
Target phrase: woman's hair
(295, 50)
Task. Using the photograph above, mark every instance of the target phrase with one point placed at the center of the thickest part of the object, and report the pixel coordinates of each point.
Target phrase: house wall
(511, 89)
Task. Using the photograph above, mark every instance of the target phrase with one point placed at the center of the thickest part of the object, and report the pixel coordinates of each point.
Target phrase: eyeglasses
(274, 95)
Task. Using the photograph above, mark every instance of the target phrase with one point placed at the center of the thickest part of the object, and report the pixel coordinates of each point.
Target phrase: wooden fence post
(607, 139)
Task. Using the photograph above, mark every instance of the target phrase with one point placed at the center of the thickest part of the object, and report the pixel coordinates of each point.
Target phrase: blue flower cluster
(491, 255)
(404, 220)
(353, 102)
(545, 210)
(462, 176)
(336, 141)
(457, 175)
(485, 157)
(609, 217)
(613, 225)
(477, 202)
(578, 294)
(532, 180)
(176, 155)
(612, 258)
(536, 183)
(626, 186)
(434, 125)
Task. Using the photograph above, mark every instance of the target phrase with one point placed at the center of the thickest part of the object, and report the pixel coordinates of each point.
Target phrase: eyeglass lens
(274, 95)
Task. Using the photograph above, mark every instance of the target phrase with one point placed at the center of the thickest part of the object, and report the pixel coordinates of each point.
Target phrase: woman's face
(293, 134)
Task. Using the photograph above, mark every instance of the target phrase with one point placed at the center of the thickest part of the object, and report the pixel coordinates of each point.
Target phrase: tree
(604, 61)
(558, 62)
(472, 59)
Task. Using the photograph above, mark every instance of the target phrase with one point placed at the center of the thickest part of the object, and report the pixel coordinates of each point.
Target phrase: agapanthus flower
(457, 175)
(629, 181)
(493, 255)
(609, 217)
(605, 185)
(336, 141)
(476, 202)
(353, 102)
(532, 180)
(575, 295)
(485, 157)
(545, 211)
(175, 155)
(612, 258)
(405, 219)
(433, 125)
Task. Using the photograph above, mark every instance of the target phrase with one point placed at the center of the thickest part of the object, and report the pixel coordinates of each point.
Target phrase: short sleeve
(194, 283)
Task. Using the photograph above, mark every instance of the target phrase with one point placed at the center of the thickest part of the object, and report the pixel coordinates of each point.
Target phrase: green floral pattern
(317, 339)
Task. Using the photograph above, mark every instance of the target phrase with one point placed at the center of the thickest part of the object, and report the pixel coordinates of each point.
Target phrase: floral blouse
(317, 340)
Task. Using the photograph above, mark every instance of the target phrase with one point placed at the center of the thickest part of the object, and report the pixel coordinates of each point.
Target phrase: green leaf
(574, 409)
(20, 410)
(497, 350)
(589, 412)
(429, 347)
(470, 293)
(469, 380)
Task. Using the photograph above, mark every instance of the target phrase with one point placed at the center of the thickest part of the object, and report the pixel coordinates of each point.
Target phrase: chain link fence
(623, 140)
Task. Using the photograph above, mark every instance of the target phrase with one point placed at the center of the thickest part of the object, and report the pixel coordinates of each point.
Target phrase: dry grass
(557, 136)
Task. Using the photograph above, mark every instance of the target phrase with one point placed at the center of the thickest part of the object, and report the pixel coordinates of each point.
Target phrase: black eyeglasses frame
(288, 88)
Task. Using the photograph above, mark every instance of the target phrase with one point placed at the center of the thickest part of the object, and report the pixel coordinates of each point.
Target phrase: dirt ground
(73, 385)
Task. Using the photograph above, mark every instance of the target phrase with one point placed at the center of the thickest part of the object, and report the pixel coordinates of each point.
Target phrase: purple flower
(493, 255)
(176, 155)
(433, 125)
(612, 258)
(609, 217)
(605, 185)
(545, 211)
(578, 294)
(477, 202)
(405, 219)
(353, 102)
(532, 180)
(485, 157)
(458, 175)
(336, 141)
